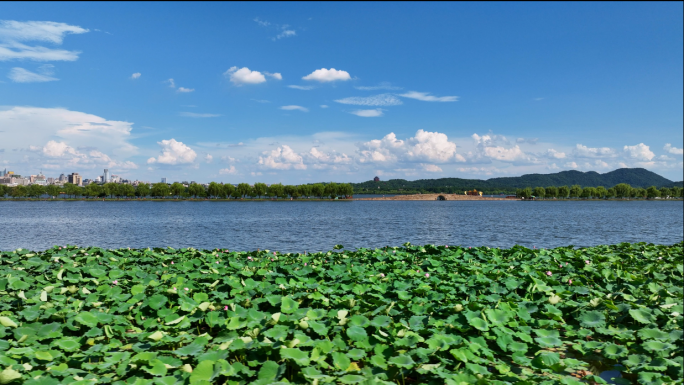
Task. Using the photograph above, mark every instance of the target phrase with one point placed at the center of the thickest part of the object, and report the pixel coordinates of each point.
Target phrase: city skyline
(292, 94)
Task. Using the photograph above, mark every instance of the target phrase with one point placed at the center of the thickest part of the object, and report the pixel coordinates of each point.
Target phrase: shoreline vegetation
(319, 192)
(430, 314)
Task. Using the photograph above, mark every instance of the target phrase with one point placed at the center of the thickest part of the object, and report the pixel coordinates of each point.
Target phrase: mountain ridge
(635, 177)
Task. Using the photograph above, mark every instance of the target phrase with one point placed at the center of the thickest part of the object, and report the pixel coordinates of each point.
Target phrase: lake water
(292, 226)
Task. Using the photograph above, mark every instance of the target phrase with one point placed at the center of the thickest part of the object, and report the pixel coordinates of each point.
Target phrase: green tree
(305, 190)
(177, 189)
(142, 190)
(215, 190)
(51, 190)
(109, 189)
(276, 190)
(92, 190)
(243, 189)
(552, 191)
(35, 190)
(260, 189)
(600, 192)
(665, 192)
(126, 190)
(610, 193)
(318, 189)
(539, 192)
(4, 190)
(291, 191)
(160, 190)
(676, 192)
(622, 190)
(71, 189)
(639, 193)
(563, 192)
(331, 190)
(19, 191)
(575, 191)
(588, 192)
(228, 190)
(652, 192)
(195, 190)
(345, 189)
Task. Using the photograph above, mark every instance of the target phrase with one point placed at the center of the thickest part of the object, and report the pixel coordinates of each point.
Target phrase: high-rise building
(76, 179)
(163, 180)
(106, 177)
(62, 178)
(2, 173)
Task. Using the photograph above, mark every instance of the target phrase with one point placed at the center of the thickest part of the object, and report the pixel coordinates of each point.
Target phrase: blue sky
(308, 92)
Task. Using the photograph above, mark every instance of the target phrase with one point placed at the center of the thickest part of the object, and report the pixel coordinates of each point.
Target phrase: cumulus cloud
(425, 146)
(276, 75)
(174, 152)
(315, 155)
(431, 167)
(377, 100)
(184, 90)
(34, 125)
(228, 171)
(486, 148)
(639, 152)
(324, 75)
(551, 153)
(303, 88)
(368, 113)
(136, 75)
(244, 75)
(589, 152)
(673, 150)
(572, 165)
(291, 108)
(208, 158)
(61, 155)
(196, 115)
(282, 158)
(426, 97)
(21, 75)
(14, 35)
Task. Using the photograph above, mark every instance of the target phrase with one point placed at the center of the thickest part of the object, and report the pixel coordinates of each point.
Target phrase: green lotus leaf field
(398, 315)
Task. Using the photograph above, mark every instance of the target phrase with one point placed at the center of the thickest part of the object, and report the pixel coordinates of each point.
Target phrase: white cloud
(303, 88)
(318, 156)
(381, 86)
(228, 171)
(282, 158)
(639, 152)
(240, 76)
(425, 146)
(486, 147)
(324, 75)
(368, 113)
(673, 150)
(286, 33)
(25, 126)
(431, 167)
(196, 115)
(208, 158)
(426, 97)
(171, 82)
(174, 152)
(589, 152)
(57, 149)
(291, 108)
(276, 75)
(551, 153)
(184, 90)
(13, 33)
(377, 100)
(572, 165)
(136, 75)
(60, 155)
(324, 106)
(20, 75)
(262, 23)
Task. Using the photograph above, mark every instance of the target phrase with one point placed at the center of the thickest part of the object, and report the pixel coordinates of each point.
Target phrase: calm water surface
(317, 226)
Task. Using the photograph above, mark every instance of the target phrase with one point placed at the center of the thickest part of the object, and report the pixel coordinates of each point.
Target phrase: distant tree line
(621, 190)
(177, 190)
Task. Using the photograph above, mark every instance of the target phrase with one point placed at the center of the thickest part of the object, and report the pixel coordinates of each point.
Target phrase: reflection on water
(316, 226)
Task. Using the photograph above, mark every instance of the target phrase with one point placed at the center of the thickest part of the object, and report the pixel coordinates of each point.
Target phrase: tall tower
(106, 177)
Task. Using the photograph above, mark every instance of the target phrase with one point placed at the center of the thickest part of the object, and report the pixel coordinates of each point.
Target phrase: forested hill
(636, 177)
